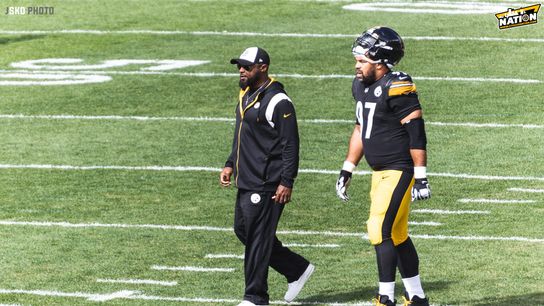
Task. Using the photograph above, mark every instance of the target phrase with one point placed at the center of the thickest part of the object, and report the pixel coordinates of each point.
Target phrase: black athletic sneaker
(383, 300)
(416, 300)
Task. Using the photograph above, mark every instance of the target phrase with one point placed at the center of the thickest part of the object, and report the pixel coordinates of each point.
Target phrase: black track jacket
(265, 149)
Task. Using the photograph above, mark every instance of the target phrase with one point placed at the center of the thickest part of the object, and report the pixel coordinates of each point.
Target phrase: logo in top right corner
(518, 17)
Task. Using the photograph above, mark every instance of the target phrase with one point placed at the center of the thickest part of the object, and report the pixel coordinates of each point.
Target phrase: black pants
(256, 218)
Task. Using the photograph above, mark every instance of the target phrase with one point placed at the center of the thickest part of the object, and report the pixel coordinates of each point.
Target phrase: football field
(116, 118)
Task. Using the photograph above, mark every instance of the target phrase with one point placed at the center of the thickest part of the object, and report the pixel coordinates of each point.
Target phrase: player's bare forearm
(355, 150)
(419, 157)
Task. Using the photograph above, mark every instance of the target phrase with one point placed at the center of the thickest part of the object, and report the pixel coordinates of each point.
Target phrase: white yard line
(526, 190)
(228, 229)
(45, 78)
(100, 73)
(191, 269)
(127, 168)
(222, 256)
(496, 201)
(116, 295)
(231, 120)
(254, 34)
(305, 245)
(478, 238)
(118, 117)
(489, 177)
(121, 226)
(95, 297)
(136, 295)
(212, 169)
(137, 281)
(487, 125)
(450, 212)
(425, 223)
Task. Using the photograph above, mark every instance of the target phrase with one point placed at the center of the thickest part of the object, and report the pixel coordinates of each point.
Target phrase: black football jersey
(379, 110)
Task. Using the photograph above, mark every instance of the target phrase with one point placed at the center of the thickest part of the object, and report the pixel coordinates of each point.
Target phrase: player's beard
(369, 78)
(249, 81)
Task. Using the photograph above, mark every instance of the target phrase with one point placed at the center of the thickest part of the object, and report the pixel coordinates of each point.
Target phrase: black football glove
(342, 185)
(421, 190)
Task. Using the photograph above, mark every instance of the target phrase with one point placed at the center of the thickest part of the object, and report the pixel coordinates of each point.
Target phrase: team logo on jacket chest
(257, 105)
(378, 91)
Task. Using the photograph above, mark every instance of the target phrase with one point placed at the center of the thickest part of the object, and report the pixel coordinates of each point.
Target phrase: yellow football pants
(390, 197)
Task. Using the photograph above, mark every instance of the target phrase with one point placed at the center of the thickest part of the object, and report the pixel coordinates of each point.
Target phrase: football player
(390, 132)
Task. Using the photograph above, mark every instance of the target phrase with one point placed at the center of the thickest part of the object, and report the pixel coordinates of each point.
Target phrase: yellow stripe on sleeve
(402, 89)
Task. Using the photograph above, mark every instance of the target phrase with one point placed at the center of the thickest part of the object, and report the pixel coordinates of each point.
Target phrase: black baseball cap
(251, 56)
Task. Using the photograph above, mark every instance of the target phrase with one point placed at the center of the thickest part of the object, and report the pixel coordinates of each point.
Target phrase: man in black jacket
(264, 161)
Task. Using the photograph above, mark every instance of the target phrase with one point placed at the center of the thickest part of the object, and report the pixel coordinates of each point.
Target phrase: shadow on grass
(332, 296)
(15, 39)
(364, 294)
(528, 299)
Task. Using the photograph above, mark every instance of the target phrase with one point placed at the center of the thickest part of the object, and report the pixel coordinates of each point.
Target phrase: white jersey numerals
(359, 113)
(370, 120)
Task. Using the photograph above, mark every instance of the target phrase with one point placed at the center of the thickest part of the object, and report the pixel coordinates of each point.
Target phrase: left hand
(283, 195)
(421, 190)
(342, 185)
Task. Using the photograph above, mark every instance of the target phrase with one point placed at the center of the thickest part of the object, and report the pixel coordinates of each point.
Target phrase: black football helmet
(381, 45)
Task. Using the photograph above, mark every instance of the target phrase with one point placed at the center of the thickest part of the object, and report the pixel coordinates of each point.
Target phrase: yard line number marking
(447, 8)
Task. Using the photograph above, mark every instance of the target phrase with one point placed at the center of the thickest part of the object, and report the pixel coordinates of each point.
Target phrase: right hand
(224, 177)
(342, 185)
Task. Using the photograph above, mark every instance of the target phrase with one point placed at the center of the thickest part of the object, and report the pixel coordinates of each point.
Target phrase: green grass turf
(454, 271)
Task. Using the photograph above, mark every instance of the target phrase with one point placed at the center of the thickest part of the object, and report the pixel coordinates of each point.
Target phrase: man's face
(248, 75)
(364, 70)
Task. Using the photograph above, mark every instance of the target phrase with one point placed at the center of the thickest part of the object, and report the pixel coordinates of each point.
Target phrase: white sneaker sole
(248, 303)
(290, 295)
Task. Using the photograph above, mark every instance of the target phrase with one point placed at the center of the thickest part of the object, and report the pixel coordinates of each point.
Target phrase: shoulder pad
(400, 83)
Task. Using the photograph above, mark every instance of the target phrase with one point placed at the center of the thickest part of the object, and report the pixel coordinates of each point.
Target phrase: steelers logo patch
(257, 105)
(255, 198)
(378, 91)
